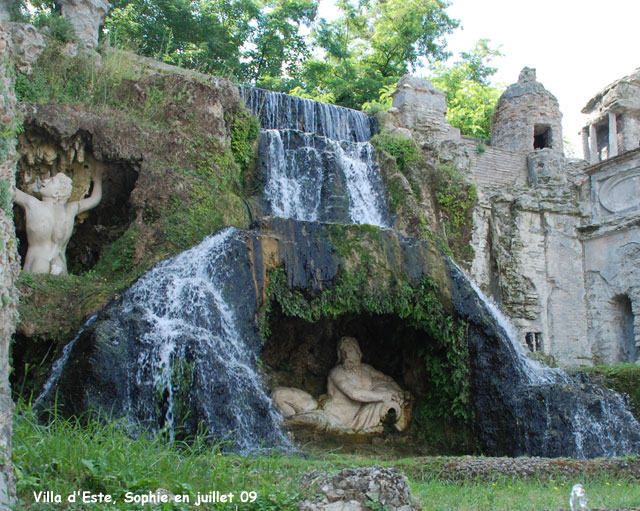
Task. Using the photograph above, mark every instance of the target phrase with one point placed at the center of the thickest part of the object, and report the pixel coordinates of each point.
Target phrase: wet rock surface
(541, 412)
(360, 489)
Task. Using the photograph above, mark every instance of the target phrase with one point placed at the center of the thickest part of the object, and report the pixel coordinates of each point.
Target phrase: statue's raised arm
(96, 194)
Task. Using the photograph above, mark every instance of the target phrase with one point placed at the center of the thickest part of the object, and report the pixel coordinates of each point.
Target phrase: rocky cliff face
(528, 256)
(9, 265)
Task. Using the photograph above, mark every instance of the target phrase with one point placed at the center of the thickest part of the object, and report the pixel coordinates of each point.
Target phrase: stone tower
(527, 117)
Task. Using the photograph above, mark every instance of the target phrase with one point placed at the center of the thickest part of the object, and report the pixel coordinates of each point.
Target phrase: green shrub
(60, 28)
(623, 378)
(455, 199)
(58, 78)
(403, 149)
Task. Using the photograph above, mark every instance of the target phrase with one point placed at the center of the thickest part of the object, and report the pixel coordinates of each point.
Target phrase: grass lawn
(63, 457)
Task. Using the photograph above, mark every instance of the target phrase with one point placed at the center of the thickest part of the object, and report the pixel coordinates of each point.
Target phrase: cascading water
(191, 322)
(543, 411)
(316, 162)
(60, 364)
(180, 348)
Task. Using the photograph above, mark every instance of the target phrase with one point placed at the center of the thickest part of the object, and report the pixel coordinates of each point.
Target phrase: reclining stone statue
(360, 398)
(50, 221)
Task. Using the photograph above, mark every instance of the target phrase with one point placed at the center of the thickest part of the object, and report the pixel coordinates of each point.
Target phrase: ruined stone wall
(497, 167)
(527, 255)
(613, 125)
(612, 278)
(9, 266)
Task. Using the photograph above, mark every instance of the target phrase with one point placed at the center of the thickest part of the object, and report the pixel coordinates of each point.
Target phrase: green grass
(522, 495)
(65, 455)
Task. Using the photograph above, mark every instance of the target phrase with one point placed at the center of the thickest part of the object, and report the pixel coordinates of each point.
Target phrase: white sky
(577, 46)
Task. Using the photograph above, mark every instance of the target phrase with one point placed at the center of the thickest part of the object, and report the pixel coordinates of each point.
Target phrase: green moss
(623, 378)
(215, 197)
(455, 198)
(5, 196)
(118, 258)
(244, 133)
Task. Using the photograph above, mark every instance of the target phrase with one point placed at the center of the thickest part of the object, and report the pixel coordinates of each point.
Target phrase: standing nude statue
(360, 397)
(50, 221)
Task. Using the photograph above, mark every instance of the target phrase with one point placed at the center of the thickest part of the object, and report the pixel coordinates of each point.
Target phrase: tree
(278, 46)
(245, 39)
(372, 45)
(470, 97)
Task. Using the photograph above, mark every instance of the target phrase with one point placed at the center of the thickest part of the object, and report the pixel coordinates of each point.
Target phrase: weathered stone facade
(418, 110)
(527, 117)
(613, 126)
(611, 242)
(9, 265)
(560, 253)
(556, 241)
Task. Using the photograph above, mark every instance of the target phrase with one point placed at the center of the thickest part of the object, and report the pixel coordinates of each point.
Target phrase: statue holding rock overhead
(50, 221)
(361, 398)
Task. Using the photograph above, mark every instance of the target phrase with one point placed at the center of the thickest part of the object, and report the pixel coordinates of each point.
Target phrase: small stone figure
(578, 500)
(360, 397)
(50, 221)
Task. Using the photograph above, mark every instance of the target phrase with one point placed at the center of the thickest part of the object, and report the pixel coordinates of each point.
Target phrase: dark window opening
(541, 136)
(602, 133)
(623, 321)
(534, 341)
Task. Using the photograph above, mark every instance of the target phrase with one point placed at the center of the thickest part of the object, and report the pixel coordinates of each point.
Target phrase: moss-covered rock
(177, 156)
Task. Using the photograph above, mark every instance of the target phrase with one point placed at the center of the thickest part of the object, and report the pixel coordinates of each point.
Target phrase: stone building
(527, 117)
(614, 120)
(557, 241)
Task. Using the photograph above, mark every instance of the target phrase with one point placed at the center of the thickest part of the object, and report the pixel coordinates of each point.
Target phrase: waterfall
(316, 162)
(60, 364)
(531, 371)
(179, 351)
(196, 326)
(544, 411)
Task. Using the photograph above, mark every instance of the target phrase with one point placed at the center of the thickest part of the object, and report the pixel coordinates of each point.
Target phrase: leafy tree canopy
(371, 45)
(470, 97)
(353, 61)
(244, 39)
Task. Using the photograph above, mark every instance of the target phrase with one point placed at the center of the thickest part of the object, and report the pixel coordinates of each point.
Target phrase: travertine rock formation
(26, 45)
(419, 110)
(86, 16)
(9, 266)
(527, 117)
(362, 489)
